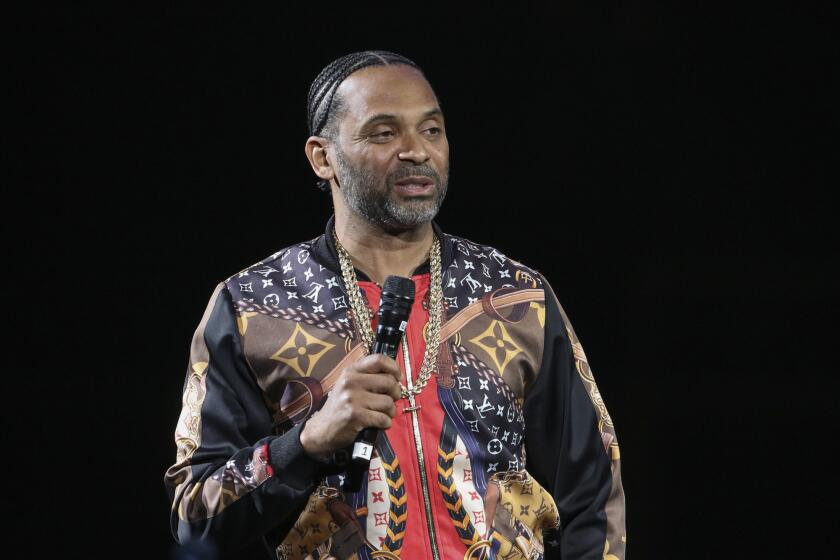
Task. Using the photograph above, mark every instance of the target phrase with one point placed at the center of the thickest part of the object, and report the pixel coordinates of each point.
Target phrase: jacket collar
(324, 249)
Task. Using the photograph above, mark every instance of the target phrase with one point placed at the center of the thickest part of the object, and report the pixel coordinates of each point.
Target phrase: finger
(381, 403)
(374, 419)
(395, 392)
(378, 363)
(383, 384)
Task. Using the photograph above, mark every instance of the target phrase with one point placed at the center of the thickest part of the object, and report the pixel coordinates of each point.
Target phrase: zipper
(418, 446)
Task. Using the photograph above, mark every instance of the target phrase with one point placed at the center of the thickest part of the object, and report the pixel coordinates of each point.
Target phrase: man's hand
(363, 397)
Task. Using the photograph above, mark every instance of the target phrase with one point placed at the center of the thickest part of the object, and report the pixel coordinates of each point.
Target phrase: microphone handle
(366, 439)
(370, 435)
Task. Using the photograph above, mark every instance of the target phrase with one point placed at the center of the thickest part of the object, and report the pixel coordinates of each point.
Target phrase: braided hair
(324, 107)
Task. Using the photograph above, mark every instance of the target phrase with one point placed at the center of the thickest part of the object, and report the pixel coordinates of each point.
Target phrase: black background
(667, 169)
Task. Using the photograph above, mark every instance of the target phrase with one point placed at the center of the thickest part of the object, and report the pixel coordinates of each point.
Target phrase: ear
(319, 158)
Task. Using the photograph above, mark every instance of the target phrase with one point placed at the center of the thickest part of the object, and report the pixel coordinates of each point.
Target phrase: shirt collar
(325, 251)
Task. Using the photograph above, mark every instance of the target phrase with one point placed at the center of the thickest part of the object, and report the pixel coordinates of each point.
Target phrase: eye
(433, 131)
(383, 135)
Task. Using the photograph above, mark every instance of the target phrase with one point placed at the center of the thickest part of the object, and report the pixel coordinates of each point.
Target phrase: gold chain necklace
(361, 316)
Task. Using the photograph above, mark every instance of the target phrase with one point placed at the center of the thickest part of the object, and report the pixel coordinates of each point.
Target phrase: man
(494, 439)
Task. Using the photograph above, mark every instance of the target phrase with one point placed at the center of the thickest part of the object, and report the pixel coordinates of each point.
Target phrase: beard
(376, 202)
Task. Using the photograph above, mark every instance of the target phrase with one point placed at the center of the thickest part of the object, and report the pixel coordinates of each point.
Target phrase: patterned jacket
(509, 441)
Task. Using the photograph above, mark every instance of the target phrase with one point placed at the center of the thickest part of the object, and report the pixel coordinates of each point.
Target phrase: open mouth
(415, 185)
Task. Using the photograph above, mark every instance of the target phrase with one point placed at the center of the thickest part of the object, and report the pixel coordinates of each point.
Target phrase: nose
(413, 150)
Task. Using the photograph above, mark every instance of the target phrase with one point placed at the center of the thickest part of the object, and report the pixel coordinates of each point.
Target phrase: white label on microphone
(362, 450)
(402, 326)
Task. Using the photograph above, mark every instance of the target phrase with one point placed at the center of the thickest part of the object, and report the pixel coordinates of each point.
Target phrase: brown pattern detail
(466, 315)
(354, 351)
(295, 407)
(311, 531)
(313, 389)
(446, 368)
(518, 510)
(292, 314)
(517, 313)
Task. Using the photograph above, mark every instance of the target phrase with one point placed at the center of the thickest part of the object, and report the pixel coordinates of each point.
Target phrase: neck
(379, 253)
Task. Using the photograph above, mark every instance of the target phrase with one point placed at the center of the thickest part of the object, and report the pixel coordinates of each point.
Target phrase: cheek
(442, 157)
(380, 164)
(442, 149)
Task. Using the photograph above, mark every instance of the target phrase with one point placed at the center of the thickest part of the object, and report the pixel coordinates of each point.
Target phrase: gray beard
(359, 190)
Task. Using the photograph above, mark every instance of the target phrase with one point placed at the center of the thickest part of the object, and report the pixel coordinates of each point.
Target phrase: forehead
(397, 89)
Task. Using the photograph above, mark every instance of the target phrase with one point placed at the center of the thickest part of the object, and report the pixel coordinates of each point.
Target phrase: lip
(415, 186)
(415, 180)
(415, 189)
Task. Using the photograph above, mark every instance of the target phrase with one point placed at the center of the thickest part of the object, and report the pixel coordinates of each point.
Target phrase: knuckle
(345, 402)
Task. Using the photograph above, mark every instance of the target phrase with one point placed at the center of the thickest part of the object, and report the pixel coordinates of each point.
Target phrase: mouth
(415, 186)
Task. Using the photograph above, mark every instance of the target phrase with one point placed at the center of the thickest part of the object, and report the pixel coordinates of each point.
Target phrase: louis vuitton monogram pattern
(291, 315)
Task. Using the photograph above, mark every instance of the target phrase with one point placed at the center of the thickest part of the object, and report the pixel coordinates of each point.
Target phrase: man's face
(392, 163)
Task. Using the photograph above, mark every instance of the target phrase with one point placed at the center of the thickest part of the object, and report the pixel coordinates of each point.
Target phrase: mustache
(422, 170)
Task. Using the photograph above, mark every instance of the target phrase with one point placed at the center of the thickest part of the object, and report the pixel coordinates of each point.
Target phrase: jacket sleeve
(234, 480)
(572, 448)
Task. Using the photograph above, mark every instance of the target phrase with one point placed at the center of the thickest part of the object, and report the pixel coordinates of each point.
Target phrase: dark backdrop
(666, 168)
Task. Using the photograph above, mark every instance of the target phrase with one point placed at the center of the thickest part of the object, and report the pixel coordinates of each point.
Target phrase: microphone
(394, 307)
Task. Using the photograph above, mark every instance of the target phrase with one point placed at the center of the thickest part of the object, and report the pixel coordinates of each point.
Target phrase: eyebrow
(382, 117)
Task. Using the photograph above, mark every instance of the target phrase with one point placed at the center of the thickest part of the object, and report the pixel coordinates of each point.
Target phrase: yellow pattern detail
(302, 351)
(397, 483)
(463, 523)
(395, 537)
(540, 312)
(607, 555)
(446, 456)
(242, 320)
(397, 519)
(498, 344)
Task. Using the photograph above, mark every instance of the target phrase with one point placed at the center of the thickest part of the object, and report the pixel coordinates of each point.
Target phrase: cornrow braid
(321, 109)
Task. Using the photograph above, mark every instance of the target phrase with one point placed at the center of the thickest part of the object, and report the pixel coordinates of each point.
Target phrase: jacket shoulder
(265, 279)
(489, 262)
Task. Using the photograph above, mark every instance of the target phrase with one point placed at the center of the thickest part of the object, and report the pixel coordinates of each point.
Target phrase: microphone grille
(399, 287)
